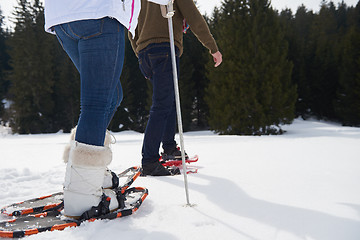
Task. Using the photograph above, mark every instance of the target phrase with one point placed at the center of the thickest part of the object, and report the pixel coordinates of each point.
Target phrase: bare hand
(217, 58)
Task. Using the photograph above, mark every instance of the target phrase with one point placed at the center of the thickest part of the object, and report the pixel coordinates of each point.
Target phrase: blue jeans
(96, 47)
(155, 64)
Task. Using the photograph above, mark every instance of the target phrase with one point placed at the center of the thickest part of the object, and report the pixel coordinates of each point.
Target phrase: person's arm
(197, 24)
(199, 27)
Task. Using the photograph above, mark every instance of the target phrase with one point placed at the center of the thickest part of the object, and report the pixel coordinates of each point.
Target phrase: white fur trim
(85, 155)
(107, 143)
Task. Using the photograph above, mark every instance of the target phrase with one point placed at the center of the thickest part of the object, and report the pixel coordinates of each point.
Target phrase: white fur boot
(84, 178)
(108, 180)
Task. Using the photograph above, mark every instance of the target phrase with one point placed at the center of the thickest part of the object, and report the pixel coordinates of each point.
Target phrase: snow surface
(301, 185)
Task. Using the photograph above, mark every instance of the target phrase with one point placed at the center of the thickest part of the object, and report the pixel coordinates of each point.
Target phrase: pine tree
(4, 66)
(186, 86)
(301, 54)
(66, 90)
(347, 106)
(323, 72)
(32, 76)
(252, 92)
(202, 56)
(193, 83)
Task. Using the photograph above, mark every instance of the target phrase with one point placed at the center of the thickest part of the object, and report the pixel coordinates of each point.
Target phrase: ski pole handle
(167, 11)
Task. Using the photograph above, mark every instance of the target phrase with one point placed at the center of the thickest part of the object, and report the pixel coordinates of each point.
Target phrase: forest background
(278, 65)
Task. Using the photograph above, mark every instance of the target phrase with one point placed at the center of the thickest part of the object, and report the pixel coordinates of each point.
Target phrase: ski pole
(167, 11)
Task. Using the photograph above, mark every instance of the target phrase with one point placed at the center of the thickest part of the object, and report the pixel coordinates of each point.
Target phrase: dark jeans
(96, 47)
(155, 64)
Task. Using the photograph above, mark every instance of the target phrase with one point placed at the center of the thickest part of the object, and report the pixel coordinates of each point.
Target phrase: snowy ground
(301, 185)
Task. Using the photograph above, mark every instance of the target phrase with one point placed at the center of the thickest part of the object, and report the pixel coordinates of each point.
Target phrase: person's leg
(97, 49)
(162, 100)
(115, 102)
(171, 151)
(71, 48)
(68, 43)
(99, 58)
(155, 64)
(168, 138)
(101, 62)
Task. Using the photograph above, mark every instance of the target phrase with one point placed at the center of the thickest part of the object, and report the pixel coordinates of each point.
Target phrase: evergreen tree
(186, 86)
(252, 92)
(32, 77)
(301, 54)
(193, 83)
(66, 90)
(323, 72)
(4, 66)
(347, 106)
(201, 56)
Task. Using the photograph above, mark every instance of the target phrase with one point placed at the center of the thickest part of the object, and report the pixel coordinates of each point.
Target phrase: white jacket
(63, 11)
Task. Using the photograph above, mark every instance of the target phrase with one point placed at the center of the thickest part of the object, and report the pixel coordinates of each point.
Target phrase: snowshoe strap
(115, 180)
(101, 209)
(56, 208)
(120, 196)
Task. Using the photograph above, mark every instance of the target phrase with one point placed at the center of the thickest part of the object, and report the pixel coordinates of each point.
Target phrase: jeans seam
(60, 41)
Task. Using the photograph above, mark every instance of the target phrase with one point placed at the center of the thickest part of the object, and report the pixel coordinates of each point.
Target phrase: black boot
(172, 154)
(156, 169)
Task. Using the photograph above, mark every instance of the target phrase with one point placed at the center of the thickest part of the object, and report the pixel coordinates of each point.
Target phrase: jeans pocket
(86, 29)
(159, 61)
